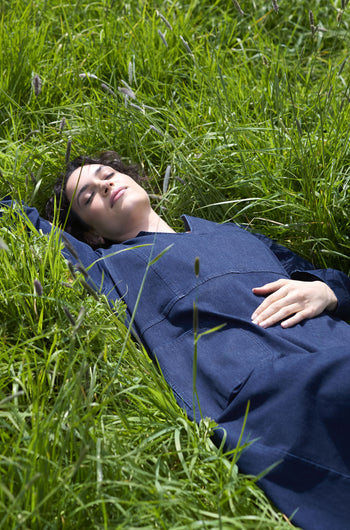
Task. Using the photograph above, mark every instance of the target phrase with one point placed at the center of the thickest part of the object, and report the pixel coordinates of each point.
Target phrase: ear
(93, 239)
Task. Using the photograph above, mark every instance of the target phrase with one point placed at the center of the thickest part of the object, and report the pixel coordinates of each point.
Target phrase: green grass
(252, 114)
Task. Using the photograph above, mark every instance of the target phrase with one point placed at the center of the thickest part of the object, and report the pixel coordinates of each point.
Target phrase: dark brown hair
(58, 208)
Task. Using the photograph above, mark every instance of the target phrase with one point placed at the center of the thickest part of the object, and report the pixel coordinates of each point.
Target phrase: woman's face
(112, 204)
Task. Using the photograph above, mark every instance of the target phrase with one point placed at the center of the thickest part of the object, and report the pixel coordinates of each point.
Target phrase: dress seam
(303, 459)
(181, 296)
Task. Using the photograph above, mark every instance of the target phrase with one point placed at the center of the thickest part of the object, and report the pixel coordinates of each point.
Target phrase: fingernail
(254, 321)
(253, 317)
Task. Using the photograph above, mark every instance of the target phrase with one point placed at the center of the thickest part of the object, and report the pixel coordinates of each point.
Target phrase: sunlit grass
(251, 113)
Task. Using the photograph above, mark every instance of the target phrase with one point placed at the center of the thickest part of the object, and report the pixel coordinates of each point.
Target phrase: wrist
(332, 300)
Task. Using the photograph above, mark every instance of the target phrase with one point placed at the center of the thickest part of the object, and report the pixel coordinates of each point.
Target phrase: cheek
(96, 206)
(93, 216)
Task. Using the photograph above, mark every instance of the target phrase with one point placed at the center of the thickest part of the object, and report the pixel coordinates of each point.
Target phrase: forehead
(79, 178)
(83, 172)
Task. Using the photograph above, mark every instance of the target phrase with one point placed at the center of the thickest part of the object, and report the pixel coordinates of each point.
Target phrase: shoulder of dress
(195, 224)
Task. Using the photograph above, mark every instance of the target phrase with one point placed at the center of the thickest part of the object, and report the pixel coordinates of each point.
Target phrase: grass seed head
(158, 131)
(136, 106)
(70, 247)
(238, 7)
(89, 289)
(108, 89)
(88, 75)
(312, 23)
(80, 318)
(342, 66)
(37, 83)
(186, 45)
(71, 269)
(275, 5)
(311, 18)
(69, 315)
(163, 38)
(38, 287)
(196, 266)
(162, 17)
(265, 61)
(68, 150)
(130, 72)
(62, 124)
(127, 92)
(166, 178)
(299, 127)
(83, 271)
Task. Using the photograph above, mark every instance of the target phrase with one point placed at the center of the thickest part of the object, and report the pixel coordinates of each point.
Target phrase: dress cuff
(337, 281)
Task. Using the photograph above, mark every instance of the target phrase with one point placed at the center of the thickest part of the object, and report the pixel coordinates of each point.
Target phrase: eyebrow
(85, 187)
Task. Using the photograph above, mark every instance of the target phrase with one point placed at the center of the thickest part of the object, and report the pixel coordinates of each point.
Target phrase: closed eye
(89, 199)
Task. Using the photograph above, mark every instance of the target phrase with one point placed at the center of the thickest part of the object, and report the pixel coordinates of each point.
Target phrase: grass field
(237, 112)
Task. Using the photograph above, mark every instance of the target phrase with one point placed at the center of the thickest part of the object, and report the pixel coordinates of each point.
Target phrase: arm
(338, 281)
(306, 295)
(290, 261)
(75, 251)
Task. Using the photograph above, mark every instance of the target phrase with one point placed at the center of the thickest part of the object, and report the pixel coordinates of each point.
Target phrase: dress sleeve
(74, 250)
(300, 269)
(290, 261)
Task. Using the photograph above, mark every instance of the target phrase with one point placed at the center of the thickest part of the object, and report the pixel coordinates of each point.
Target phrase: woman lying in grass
(269, 332)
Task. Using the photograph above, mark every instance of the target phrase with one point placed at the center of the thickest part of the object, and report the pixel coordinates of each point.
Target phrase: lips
(116, 194)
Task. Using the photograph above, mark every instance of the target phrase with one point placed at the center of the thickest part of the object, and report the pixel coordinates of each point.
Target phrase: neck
(151, 222)
(157, 224)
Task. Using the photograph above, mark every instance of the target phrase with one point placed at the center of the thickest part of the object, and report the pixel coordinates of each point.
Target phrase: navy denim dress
(296, 380)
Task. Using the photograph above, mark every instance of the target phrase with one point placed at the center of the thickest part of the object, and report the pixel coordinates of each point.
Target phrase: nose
(105, 187)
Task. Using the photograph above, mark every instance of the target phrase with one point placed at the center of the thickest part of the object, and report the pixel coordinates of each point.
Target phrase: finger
(273, 315)
(295, 319)
(272, 303)
(270, 287)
